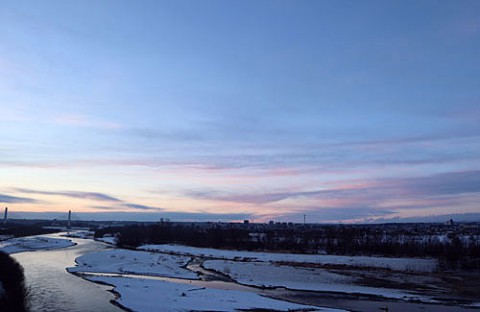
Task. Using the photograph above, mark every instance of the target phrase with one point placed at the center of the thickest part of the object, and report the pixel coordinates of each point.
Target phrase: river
(53, 289)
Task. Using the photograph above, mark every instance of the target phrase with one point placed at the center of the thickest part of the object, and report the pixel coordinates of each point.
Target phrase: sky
(332, 111)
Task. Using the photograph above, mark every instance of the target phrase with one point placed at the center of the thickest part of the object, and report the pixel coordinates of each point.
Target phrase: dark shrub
(13, 282)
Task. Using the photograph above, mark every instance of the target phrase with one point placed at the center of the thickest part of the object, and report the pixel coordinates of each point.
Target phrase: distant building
(449, 222)
(246, 222)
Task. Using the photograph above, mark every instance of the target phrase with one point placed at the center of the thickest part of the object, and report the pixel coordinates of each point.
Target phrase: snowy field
(400, 264)
(143, 295)
(32, 243)
(264, 274)
(135, 262)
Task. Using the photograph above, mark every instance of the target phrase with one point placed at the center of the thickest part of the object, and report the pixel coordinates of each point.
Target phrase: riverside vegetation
(457, 247)
(13, 296)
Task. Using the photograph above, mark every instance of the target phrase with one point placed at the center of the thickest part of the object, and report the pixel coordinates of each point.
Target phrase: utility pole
(69, 218)
(304, 219)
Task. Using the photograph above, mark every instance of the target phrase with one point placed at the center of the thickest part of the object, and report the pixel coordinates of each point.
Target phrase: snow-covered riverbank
(400, 264)
(31, 243)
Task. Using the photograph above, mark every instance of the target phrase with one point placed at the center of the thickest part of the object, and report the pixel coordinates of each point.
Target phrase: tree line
(18, 230)
(453, 250)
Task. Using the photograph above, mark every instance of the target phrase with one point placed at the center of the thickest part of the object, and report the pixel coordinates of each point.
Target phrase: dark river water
(52, 288)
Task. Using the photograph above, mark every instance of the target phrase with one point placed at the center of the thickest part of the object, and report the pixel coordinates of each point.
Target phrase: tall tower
(5, 216)
(69, 218)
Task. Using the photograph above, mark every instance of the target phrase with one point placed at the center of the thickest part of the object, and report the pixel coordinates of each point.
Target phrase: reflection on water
(52, 288)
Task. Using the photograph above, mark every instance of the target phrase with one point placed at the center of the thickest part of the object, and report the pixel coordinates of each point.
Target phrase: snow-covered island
(31, 243)
(123, 261)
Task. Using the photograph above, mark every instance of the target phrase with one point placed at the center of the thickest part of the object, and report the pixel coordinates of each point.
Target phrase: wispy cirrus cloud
(127, 206)
(367, 193)
(259, 198)
(16, 200)
(420, 150)
(115, 203)
(73, 194)
(442, 184)
(140, 207)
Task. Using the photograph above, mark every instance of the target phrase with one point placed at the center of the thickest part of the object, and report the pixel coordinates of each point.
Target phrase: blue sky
(341, 110)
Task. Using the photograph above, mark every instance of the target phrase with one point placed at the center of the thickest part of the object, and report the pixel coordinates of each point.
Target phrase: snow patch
(143, 295)
(314, 279)
(136, 262)
(400, 264)
(108, 239)
(32, 243)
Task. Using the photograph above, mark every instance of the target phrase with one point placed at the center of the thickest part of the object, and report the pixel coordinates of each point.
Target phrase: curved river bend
(53, 289)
